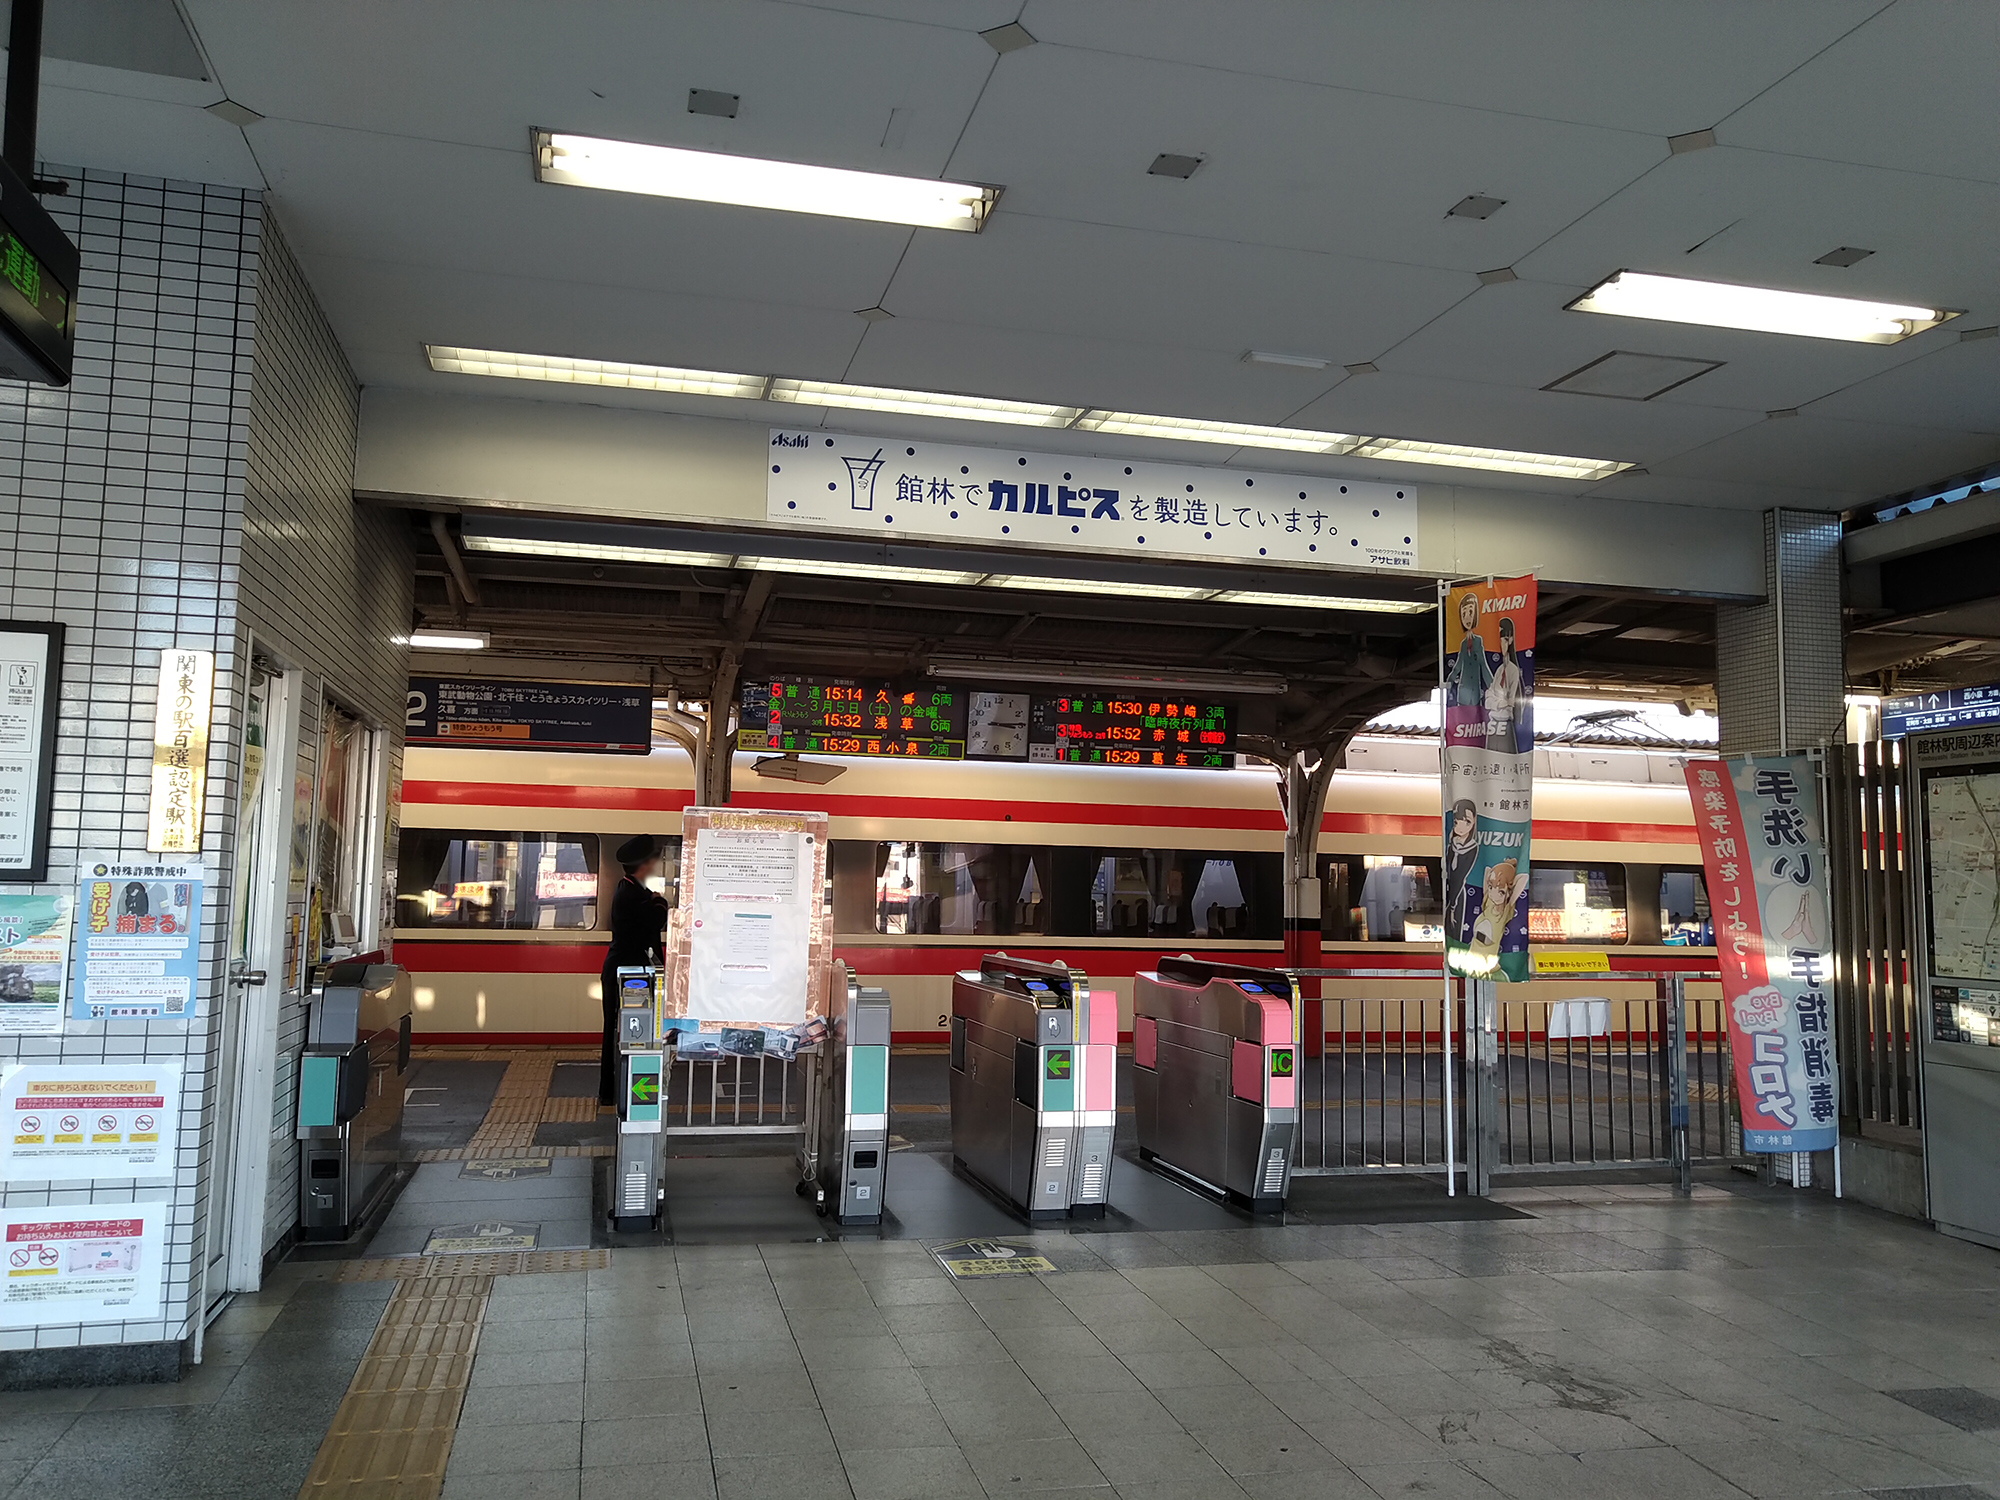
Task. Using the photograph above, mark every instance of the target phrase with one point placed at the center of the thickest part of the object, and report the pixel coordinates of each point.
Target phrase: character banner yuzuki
(1489, 773)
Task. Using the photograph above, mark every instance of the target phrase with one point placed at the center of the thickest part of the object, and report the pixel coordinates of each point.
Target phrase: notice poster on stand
(34, 962)
(80, 1122)
(140, 943)
(1489, 773)
(87, 1263)
(1764, 854)
(750, 919)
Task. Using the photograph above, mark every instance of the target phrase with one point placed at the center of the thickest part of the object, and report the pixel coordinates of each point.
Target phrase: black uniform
(637, 915)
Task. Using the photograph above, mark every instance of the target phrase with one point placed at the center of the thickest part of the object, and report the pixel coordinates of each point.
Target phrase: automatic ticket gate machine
(636, 1190)
(350, 1099)
(844, 1157)
(1033, 1070)
(1214, 1076)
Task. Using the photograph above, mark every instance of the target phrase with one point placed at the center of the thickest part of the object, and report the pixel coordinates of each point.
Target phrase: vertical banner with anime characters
(1765, 857)
(1489, 774)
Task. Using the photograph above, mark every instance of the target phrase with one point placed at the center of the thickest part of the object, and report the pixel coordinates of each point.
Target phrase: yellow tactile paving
(490, 1263)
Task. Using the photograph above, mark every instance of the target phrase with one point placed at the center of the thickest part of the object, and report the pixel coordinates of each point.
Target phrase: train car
(505, 869)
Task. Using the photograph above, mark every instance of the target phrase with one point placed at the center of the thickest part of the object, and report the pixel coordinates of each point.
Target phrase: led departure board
(844, 716)
(1122, 728)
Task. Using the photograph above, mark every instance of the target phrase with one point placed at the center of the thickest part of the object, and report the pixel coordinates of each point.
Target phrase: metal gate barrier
(1498, 1079)
(762, 1095)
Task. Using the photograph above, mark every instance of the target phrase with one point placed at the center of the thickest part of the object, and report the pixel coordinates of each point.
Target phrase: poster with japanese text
(1764, 854)
(86, 1263)
(1489, 772)
(83, 1122)
(138, 939)
(34, 961)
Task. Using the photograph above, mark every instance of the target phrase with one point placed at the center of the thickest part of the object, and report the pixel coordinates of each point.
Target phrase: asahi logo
(790, 440)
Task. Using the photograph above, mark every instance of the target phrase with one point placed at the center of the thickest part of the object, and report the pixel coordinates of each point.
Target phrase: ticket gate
(844, 1158)
(1033, 1074)
(1214, 1076)
(636, 1190)
(350, 1097)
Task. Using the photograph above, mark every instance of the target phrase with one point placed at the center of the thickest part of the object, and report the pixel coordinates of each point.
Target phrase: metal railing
(734, 1096)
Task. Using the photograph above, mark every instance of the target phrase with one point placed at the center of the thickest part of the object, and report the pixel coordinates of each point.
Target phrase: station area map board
(1963, 820)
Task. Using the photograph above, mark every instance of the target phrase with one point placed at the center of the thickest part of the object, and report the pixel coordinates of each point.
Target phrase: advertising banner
(475, 713)
(34, 962)
(76, 1122)
(895, 489)
(1489, 773)
(90, 1263)
(140, 946)
(1764, 853)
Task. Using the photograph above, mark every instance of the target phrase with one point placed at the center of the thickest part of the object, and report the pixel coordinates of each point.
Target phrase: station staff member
(637, 915)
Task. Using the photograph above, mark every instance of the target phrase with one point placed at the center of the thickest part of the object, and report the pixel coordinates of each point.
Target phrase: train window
(1168, 893)
(982, 890)
(1684, 914)
(1380, 898)
(456, 878)
(1576, 904)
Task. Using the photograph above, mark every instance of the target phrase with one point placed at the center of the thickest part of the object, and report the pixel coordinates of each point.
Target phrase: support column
(720, 759)
(1780, 666)
(1307, 776)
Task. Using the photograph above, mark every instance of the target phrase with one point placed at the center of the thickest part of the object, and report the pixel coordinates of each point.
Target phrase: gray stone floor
(1617, 1344)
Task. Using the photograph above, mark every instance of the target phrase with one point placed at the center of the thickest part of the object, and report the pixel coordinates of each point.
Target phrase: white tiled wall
(205, 443)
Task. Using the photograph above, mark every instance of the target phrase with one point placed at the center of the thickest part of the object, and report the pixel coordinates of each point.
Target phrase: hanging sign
(1765, 857)
(30, 673)
(140, 941)
(475, 713)
(34, 961)
(70, 1122)
(893, 490)
(88, 1263)
(182, 707)
(1489, 772)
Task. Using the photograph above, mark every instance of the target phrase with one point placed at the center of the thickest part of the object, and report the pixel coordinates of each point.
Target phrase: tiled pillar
(1780, 668)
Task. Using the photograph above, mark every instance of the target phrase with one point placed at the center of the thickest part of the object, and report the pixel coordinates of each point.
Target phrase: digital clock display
(1122, 728)
(843, 716)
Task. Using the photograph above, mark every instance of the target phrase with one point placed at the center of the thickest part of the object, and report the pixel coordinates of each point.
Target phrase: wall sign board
(30, 683)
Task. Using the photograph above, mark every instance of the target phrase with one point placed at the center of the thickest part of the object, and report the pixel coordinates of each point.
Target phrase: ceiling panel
(119, 132)
(1851, 459)
(1958, 386)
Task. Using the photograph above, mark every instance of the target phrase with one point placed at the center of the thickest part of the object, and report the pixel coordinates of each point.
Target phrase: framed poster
(30, 693)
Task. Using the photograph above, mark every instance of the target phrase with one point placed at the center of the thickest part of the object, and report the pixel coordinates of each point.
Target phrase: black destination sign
(1123, 728)
(847, 716)
(475, 713)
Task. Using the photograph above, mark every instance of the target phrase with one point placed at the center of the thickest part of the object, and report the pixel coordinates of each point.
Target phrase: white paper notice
(89, 1263)
(24, 708)
(83, 1122)
(749, 927)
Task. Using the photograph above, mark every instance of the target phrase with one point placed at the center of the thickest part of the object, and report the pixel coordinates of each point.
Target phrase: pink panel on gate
(1100, 1077)
(1277, 1016)
(1246, 1071)
(1103, 1017)
(1145, 1042)
(1284, 1092)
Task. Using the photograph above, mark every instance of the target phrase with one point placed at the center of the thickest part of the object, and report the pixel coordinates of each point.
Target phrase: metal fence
(1509, 1079)
(1876, 1014)
(735, 1096)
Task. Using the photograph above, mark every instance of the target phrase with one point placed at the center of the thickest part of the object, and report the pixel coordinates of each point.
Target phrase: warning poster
(93, 1263)
(76, 1122)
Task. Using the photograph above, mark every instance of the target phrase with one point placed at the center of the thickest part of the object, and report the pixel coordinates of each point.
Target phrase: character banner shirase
(1763, 851)
(1489, 772)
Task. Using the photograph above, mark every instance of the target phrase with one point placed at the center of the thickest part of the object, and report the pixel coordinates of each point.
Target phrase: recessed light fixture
(1846, 255)
(1229, 434)
(1625, 376)
(1720, 304)
(1477, 206)
(450, 640)
(616, 552)
(831, 393)
(1091, 586)
(877, 572)
(755, 182)
(1172, 164)
(1009, 38)
(1287, 361)
(713, 102)
(1320, 601)
(566, 371)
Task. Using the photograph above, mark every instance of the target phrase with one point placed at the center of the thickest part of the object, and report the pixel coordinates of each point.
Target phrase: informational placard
(1488, 674)
(138, 940)
(77, 1122)
(86, 1263)
(1947, 708)
(1764, 853)
(897, 489)
(1962, 845)
(30, 679)
(184, 704)
(848, 716)
(34, 961)
(1104, 727)
(477, 713)
(749, 921)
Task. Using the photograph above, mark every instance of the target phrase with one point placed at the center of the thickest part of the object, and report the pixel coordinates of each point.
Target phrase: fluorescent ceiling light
(594, 551)
(1229, 434)
(1495, 460)
(1088, 586)
(1289, 361)
(450, 640)
(921, 403)
(1101, 675)
(753, 182)
(883, 572)
(1320, 601)
(1719, 304)
(566, 371)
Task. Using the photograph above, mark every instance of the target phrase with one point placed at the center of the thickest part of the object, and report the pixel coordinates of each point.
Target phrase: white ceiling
(395, 147)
